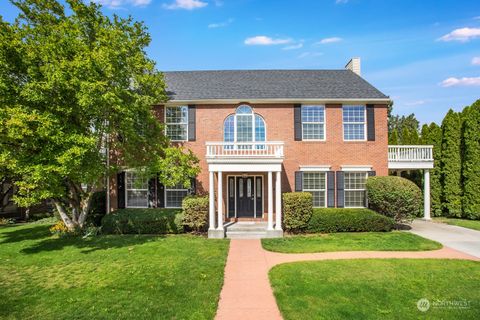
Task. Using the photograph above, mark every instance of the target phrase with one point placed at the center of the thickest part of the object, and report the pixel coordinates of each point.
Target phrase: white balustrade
(266, 149)
(410, 153)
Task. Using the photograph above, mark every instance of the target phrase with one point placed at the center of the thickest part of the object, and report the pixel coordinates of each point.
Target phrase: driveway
(459, 238)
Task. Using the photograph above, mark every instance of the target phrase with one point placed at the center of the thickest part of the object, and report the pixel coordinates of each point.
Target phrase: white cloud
(265, 41)
(476, 18)
(293, 46)
(116, 4)
(462, 35)
(185, 4)
(476, 61)
(309, 55)
(415, 103)
(329, 40)
(450, 82)
(341, 1)
(220, 24)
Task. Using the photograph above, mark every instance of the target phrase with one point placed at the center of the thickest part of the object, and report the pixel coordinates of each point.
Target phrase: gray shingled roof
(269, 84)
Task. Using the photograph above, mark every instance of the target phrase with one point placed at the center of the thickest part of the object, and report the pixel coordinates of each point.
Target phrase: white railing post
(410, 153)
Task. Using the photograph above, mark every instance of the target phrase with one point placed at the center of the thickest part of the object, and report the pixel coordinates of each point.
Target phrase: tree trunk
(64, 215)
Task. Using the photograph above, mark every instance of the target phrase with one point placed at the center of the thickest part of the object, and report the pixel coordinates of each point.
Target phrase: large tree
(72, 83)
(471, 162)
(451, 164)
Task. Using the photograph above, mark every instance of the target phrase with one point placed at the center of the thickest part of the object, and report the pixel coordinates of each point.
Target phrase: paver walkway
(456, 237)
(246, 292)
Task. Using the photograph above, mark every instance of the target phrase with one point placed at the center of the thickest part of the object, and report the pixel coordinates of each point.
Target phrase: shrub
(394, 197)
(195, 212)
(143, 221)
(6, 221)
(297, 210)
(59, 229)
(348, 220)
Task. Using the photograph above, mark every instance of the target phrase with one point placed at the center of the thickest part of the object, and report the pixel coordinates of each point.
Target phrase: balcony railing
(410, 153)
(266, 149)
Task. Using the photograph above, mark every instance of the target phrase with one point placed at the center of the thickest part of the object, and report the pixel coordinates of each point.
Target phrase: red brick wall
(279, 127)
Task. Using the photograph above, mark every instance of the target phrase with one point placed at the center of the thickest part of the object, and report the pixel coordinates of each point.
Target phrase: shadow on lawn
(44, 241)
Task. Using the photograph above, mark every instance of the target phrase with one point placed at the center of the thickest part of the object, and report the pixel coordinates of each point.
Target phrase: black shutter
(298, 181)
(340, 189)
(370, 122)
(331, 189)
(121, 190)
(152, 193)
(193, 186)
(297, 121)
(192, 132)
(372, 173)
(160, 194)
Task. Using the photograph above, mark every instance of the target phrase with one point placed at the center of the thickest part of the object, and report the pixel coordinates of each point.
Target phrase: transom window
(176, 122)
(244, 126)
(353, 123)
(136, 189)
(355, 189)
(174, 196)
(315, 182)
(313, 122)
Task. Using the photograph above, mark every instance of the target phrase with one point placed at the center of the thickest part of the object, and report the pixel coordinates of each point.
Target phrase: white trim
(364, 123)
(182, 123)
(245, 167)
(319, 168)
(324, 121)
(281, 100)
(355, 168)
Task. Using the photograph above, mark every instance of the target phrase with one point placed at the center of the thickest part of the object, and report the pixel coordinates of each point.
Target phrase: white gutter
(281, 100)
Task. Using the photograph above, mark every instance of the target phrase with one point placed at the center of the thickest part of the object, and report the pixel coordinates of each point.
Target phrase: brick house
(263, 132)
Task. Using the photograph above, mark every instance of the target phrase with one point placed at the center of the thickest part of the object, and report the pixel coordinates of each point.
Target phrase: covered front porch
(245, 187)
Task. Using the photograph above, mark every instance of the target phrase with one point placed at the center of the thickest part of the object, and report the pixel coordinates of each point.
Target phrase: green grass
(471, 224)
(376, 289)
(355, 241)
(108, 277)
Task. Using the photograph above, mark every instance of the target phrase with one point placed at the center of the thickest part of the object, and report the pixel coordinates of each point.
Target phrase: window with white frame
(176, 122)
(313, 123)
(315, 183)
(354, 123)
(244, 126)
(136, 189)
(355, 190)
(174, 196)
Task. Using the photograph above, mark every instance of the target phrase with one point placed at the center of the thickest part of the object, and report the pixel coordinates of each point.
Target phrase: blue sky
(424, 54)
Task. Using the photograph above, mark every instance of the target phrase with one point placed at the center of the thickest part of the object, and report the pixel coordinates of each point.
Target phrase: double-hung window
(174, 196)
(355, 190)
(176, 122)
(315, 183)
(136, 189)
(313, 122)
(354, 123)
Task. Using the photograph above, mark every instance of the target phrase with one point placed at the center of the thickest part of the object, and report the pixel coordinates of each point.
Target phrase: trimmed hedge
(297, 210)
(195, 212)
(394, 197)
(328, 220)
(143, 221)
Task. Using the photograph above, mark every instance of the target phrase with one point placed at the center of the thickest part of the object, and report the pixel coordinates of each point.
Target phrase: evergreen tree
(471, 162)
(451, 164)
(393, 138)
(434, 137)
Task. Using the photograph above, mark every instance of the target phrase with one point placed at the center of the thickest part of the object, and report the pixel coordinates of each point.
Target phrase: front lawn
(471, 224)
(377, 289)
(360, 241)
(108, 277)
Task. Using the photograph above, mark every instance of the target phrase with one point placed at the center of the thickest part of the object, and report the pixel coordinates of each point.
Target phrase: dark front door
(245, 197)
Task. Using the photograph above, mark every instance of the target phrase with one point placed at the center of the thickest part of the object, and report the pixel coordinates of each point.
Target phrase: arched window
(244, 126)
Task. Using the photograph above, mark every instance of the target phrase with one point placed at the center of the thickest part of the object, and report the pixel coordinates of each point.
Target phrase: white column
(211, 199)
(270, 201)
(278, 201)
(220, 201)
(426, 195)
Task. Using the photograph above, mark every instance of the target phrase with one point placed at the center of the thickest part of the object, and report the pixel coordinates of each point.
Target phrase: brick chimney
(354, 65)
